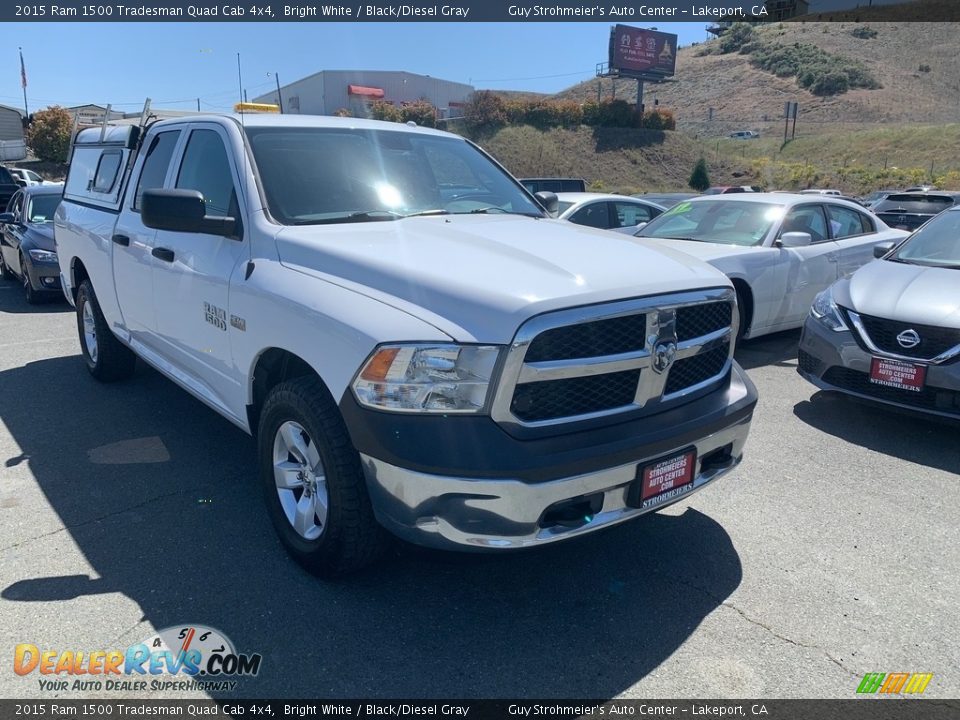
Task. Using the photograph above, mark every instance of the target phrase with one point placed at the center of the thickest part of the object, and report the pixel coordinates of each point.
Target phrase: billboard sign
(637, 51)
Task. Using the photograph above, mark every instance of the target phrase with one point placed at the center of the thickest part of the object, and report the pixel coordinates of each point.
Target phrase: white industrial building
(327, 91)
(12, 145)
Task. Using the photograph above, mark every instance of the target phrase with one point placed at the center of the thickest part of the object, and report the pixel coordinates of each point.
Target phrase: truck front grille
(590, 339)
(697, 368)
(619, 357)
(533, 402)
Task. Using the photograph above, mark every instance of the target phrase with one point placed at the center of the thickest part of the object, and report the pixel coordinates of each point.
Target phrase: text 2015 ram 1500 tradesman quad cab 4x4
(415, 345)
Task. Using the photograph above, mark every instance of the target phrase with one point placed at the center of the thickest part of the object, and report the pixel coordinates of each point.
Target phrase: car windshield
(927, 204)
(727, 222)
(42, 208)
(937, 243)
(315, 176)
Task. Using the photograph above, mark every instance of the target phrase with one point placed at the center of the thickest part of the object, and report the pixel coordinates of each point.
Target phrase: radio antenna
(246, 172)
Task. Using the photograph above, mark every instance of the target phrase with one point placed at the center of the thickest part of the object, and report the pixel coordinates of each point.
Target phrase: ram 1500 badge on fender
(415, 345)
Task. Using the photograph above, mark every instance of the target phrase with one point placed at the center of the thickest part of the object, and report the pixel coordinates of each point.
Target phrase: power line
(535, 77)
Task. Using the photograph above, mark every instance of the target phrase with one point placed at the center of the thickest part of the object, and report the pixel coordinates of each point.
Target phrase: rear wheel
(107, 358)
(313, 483)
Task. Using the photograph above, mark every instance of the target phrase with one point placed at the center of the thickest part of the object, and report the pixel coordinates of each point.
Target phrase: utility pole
(198, 104)
(279, 96)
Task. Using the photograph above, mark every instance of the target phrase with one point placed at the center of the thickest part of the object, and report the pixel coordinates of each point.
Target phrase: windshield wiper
(494, 208)
(437, 211)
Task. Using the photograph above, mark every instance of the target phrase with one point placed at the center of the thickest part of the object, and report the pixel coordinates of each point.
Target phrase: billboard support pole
(793, 133)
(640, 99)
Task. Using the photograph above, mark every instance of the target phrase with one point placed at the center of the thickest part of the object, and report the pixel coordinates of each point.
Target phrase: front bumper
(835, 361)
(44, 277)
(536, 491)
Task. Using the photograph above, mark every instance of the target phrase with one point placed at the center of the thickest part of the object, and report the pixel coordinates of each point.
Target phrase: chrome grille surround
(660, 312)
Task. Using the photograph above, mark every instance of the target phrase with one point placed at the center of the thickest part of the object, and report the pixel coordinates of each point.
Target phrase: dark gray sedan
(27, 249)
(891, 332)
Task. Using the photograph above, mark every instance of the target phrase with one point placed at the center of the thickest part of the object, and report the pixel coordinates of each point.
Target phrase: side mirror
(639, 227)
(7, 217)
(549, 201)
(182, 211)
(795, 239)
(879, 250)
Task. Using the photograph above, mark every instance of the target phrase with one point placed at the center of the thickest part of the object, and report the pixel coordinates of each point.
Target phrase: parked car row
(307, 279)
(27, 248)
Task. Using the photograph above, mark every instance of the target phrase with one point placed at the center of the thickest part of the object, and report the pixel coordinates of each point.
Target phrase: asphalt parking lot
(832, 552)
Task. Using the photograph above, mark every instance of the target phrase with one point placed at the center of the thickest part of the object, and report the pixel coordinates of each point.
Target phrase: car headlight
(437, 378)
(825, 310)
(43, 256)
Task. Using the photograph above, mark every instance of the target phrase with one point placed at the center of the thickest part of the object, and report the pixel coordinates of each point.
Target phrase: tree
(699, 178)
(48, 134)
(485, 111)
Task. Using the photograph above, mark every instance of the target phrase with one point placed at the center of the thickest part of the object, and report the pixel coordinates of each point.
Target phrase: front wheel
(5, 272)
(107, 358)
(313, 483)
(29, 294)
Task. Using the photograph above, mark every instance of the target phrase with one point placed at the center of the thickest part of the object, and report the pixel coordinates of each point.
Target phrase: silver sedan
(891, 332)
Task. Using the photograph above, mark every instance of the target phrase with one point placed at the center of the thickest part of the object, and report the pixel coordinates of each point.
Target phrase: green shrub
(736, 36)
(831, 83)
(421, 112)
(699, 178)
(485, 111)
(864, 33)
(924, 68)
(382, 110)
(816, 70)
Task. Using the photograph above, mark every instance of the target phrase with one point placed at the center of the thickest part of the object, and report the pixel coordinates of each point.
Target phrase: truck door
(133, 241)
(192, 273)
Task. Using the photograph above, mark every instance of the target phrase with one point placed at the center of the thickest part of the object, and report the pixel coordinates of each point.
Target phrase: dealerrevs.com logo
(184, 657)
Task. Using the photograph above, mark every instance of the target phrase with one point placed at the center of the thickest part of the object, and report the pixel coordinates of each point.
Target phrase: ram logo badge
(215, 316)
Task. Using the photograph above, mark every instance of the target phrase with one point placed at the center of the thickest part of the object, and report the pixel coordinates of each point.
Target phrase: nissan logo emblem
(908, 339)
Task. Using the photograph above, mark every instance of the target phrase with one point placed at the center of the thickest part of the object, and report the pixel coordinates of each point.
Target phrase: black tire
(742, 313)
(114, 360)
(350, 537)
(5, 272)
(29, 294)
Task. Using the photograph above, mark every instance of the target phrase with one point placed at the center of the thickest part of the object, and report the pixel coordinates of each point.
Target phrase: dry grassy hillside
(608, 158)
(746, 97)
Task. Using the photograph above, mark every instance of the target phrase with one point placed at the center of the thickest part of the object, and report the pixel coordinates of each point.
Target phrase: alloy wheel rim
(89, 332)
(301, 480)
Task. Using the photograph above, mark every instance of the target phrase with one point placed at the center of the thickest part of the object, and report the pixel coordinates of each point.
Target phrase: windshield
(937, 243)
(930, 204)
(727, 222)
(42, 208)
(315, 176)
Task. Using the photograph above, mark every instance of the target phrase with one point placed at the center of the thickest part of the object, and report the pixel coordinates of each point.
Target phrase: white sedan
(779, 250)
(619, 213)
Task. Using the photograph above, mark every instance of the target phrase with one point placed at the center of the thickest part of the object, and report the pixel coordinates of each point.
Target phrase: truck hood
(478, 277)
(706, 251)
(910, 293)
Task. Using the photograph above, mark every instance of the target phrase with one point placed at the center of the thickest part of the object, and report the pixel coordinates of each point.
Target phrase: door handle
(121, 240)
(162, 253)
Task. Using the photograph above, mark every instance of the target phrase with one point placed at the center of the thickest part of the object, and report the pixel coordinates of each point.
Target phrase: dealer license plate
(664, 479)
(896, 374)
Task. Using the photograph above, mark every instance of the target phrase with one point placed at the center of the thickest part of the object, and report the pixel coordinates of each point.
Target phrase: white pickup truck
(415, 345)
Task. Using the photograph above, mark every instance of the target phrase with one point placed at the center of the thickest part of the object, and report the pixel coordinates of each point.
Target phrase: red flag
(23, 72)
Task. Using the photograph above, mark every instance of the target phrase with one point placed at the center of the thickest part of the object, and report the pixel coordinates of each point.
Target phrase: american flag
(23, 71)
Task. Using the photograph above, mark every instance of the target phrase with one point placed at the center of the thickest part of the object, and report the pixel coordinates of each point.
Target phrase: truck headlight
(43, 256)
(439, 378)
(825, 310)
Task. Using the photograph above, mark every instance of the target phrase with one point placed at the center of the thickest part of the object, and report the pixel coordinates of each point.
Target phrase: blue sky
(174, 63)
